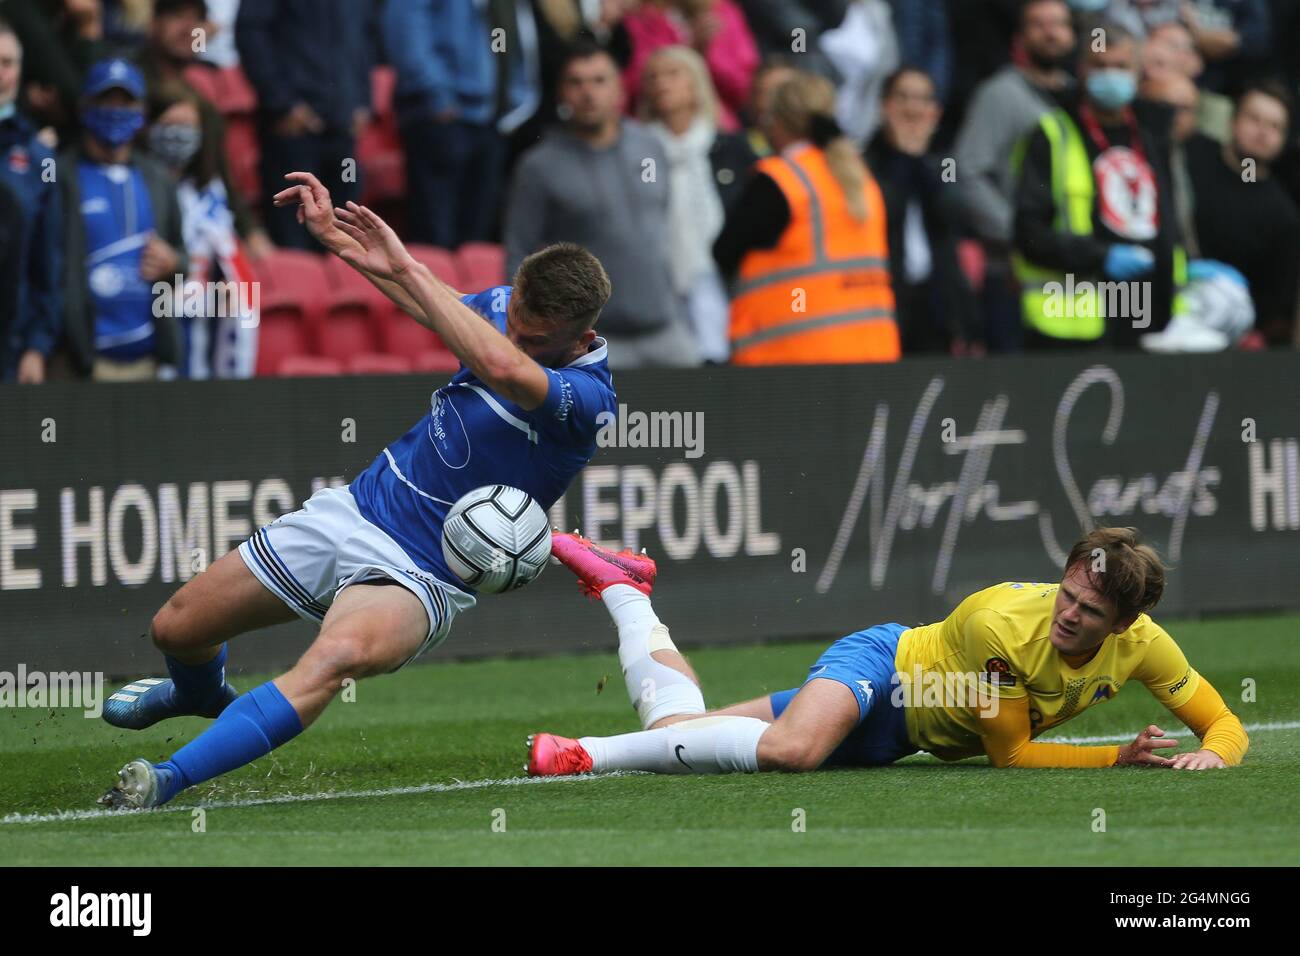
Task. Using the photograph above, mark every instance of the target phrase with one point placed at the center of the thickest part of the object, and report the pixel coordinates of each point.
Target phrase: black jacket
(11, 261)
(78, 308)
(732, 158)
(949, 305)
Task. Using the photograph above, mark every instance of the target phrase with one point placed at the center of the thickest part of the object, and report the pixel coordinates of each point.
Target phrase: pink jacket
(732, 55)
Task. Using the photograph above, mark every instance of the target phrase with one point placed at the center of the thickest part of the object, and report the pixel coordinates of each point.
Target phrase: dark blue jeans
(319, 153)
(453, 180)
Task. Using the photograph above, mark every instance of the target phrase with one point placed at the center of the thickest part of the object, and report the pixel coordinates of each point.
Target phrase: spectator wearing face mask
(168, 51)
(1004, 108)
(1094, 203)
(122, 234)
(219, 333)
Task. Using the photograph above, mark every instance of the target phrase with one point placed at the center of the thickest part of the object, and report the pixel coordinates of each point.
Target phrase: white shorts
(306, 557)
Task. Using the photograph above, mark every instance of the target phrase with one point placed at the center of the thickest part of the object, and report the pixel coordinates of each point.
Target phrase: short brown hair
(564, 284)
(1266, 86)
(1126, 572)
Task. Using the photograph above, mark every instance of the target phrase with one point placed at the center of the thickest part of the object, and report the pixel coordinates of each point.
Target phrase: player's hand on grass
(315, 210)
(1199, 760)
(1139, 752)
(382, 253)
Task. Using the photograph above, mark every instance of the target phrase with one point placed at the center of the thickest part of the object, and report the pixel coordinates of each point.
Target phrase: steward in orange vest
(810, 259)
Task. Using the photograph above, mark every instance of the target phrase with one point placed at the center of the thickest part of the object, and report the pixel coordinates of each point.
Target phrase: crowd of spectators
(766, 181)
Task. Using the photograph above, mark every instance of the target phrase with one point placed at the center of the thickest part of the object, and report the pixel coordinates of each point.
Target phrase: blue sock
(251, 727)
(197, 684)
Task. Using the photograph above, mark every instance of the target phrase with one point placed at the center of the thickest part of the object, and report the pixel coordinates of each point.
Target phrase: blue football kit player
(365, 561)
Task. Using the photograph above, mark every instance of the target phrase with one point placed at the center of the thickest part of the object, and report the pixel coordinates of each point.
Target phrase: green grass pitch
(425, 768)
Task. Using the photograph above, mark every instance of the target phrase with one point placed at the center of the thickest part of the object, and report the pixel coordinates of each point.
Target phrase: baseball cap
(113, 74)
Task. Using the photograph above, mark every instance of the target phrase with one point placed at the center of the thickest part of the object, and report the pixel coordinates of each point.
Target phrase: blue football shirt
(473, 437)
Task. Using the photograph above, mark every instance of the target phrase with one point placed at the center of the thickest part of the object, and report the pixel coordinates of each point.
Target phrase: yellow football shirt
(997, 641)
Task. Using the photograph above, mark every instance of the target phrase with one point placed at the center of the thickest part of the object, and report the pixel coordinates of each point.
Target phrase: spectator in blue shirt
(26, 170)
(466, 78)
(122, 229)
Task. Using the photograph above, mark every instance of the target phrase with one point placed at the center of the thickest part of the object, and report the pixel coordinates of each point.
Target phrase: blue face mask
(1112, 89)
(113, 125)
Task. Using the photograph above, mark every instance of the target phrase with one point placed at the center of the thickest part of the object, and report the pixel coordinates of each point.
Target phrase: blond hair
(805, 104)
(706, 99)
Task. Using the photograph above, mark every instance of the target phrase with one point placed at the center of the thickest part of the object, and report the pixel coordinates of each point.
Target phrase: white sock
(656, 690)
(705, 745)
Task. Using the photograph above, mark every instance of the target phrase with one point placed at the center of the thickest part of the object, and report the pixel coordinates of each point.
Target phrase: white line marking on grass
(60, 816)
(1180, 731)
(69, 815)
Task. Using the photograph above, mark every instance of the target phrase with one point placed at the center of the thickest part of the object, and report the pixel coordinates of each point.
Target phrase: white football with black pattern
(496, 538)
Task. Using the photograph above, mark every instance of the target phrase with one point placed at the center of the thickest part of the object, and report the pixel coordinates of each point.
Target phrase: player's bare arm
(490, 355)
(316, 213)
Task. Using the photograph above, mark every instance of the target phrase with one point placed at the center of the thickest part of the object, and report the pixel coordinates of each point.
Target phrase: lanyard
(1099, 136)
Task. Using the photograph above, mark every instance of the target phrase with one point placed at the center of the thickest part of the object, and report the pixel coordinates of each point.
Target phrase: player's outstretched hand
(315, 209)
(1199, 760)
(382, 253)
(1139, 752)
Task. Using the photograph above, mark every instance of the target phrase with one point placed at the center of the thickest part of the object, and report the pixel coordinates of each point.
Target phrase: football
(496, 538)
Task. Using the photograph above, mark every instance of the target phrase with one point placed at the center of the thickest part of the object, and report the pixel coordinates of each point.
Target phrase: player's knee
(336, 657)
(169, 630)
(780, 751)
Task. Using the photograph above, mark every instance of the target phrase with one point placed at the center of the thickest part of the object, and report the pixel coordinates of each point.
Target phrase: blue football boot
(142, 703)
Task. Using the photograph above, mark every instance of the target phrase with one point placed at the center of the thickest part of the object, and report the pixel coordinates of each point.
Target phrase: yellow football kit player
(1026, 685)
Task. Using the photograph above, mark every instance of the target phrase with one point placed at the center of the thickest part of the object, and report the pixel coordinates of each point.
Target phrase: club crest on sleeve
(998, 672)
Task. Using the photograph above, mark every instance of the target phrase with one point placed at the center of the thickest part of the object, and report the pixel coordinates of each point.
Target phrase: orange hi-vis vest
(822, 294)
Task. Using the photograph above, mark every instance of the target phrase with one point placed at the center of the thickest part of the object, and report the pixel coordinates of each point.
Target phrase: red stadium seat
(278, 337)
(374, 363)
(292, 282)
(399, 334)
(440, 262)
(344, 336)
(383, 164)
(302, 366)
(480, 266)
(438, 361)
(351, 294)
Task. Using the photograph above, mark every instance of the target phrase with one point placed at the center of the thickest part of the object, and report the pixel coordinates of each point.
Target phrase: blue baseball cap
(113, 74)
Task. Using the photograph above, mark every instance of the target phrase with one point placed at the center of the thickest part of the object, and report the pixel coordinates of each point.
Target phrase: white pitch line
(67, 815)
(60, 816)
